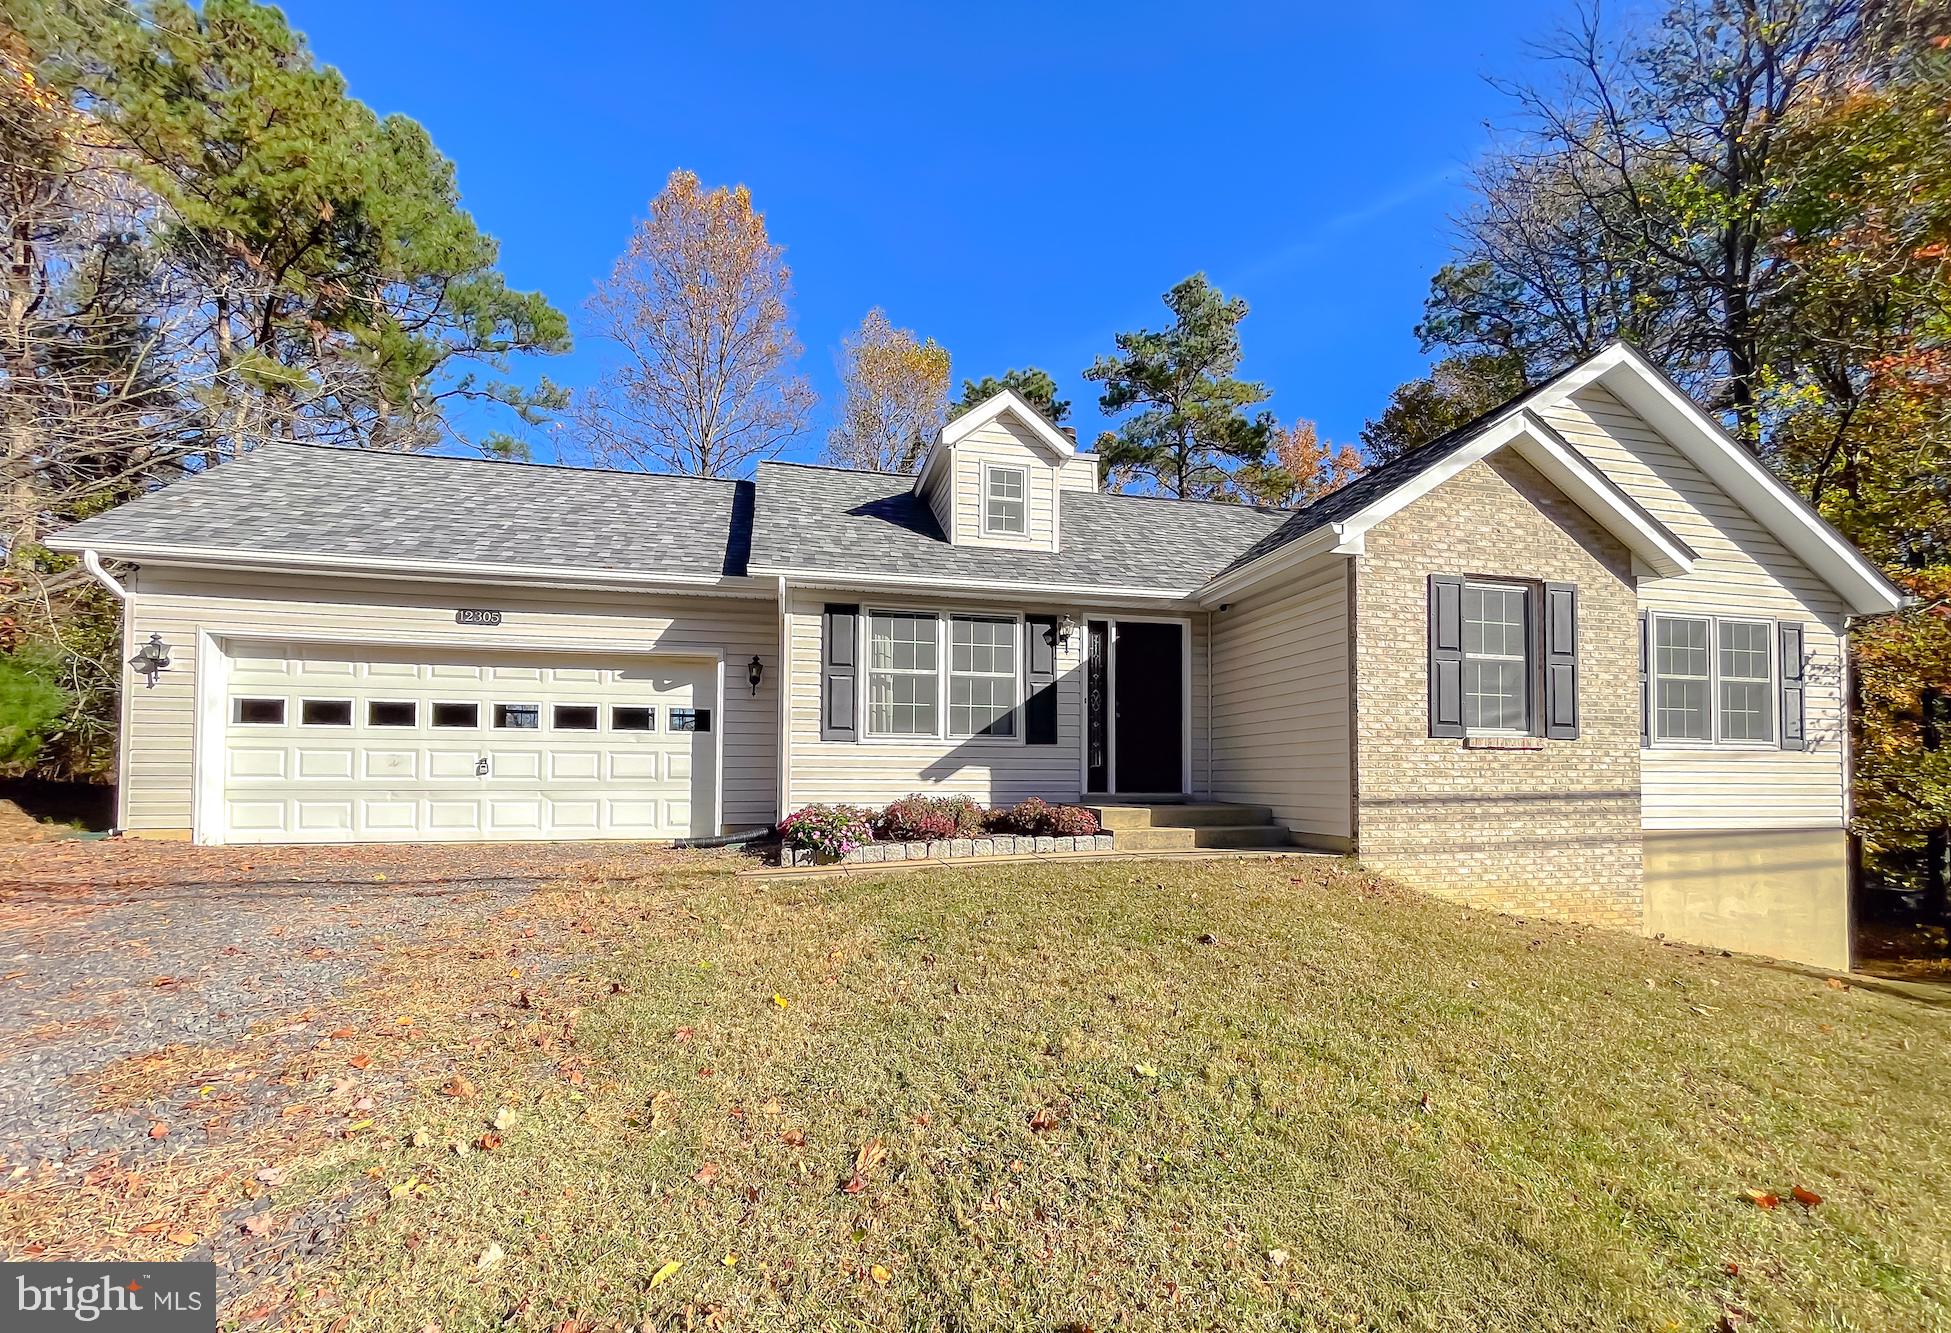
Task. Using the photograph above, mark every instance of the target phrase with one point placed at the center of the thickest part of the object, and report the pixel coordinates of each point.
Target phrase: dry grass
(1233, 1094)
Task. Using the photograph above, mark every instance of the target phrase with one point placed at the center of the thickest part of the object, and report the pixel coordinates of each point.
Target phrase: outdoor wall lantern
(151, 659)
(1066, 626)
(755, 672)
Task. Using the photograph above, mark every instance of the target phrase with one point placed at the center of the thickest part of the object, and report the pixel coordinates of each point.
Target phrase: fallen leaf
(871, 1154)
(361, 1061)
(879, 1274)
(1836, 983)
(488, 1142)
(1763, 1199)
(1807, 1198)
(705, 1175)
(1043, 1121)
(667, 1272)
(730, 1260)
(340, 1034)
(794, 1138)
(1145, 1071)
(781, 1001)
(183, 1238)
(1278, 1258)
(158, 1130)
(256, 1224)
(458, 1086)
(271, 1175)
(504, 1119)
(489, 1258)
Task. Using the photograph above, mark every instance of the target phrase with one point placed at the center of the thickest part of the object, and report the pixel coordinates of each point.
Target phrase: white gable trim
(1635, 381)
(1008, 401)
(1663, 554)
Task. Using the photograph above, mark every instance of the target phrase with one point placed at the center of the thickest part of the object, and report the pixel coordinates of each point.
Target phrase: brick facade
(1551, 829)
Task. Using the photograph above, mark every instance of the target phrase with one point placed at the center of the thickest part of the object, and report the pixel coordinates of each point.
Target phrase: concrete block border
(952, 849)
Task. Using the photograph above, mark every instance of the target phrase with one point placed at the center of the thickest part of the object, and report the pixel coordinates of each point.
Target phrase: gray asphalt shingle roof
(286, 499)
(842, 522)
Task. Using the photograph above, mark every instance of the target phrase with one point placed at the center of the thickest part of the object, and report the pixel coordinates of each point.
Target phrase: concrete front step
(1119, 818)
(1234, 836)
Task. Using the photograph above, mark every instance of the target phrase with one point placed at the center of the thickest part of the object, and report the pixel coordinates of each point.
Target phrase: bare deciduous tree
(699, 305)
(896, 397)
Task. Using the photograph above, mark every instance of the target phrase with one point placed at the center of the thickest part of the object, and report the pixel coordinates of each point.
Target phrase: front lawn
(1232, 1094)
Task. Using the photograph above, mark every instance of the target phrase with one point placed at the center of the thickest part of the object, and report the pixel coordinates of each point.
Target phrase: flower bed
(936, 828)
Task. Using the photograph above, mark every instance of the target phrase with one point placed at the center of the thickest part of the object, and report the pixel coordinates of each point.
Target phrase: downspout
(785, 705)
(116, 589)
(1853, 871)
(93, 564)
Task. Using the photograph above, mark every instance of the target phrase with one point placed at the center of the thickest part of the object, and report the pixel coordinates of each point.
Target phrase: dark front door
(1148, 707)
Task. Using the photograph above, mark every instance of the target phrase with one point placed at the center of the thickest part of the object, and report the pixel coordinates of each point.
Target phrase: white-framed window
(982, 660)
(903, 673)
(1004, 499)
(1497, 668)
(1713, 681)
(941, 675)
(1747, 693)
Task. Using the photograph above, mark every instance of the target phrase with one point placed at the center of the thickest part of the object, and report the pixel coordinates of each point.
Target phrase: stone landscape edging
(950, 849)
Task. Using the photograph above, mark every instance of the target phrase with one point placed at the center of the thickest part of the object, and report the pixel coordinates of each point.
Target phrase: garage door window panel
(254, 712)
(631, 718)
(457, 715)
(518, 717)
(575, 717)
(392, 713)
(325, 713)
(690, 719)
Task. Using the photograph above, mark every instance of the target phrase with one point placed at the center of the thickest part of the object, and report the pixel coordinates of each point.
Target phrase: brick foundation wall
(1552, 830)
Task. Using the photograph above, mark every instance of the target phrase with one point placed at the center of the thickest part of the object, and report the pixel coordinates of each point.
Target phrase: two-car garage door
(330, 744)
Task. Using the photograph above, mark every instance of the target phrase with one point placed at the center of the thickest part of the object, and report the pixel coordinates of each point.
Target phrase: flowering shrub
(914, 819)
(831, 830)
(1037, 818)
(1069, 821)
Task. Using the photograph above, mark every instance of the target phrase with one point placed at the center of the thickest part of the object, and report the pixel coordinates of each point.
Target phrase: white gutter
(201, 557)
(92, 562)
(825, 578)
(784, 799)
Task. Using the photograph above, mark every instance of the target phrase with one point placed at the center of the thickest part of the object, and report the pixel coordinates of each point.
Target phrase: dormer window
(1002, 499)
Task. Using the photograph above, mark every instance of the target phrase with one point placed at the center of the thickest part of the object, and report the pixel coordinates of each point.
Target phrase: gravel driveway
(128, 970)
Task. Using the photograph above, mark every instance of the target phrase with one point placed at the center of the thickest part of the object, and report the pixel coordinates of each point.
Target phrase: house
(1582, 658)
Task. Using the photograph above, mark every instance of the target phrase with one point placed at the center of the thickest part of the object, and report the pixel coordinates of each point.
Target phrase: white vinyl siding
(1004, 445)
(1280, 701)
(179, 604)
(875, 770)
(1742, 571)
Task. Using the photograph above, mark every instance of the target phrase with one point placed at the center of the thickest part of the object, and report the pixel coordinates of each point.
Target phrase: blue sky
(1018, 181)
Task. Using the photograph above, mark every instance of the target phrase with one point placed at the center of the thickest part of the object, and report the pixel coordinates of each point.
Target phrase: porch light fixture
(1066, 626)
(151, 659)
(755, 672)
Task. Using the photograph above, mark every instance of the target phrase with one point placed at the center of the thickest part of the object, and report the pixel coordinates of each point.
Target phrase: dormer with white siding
(995, 475)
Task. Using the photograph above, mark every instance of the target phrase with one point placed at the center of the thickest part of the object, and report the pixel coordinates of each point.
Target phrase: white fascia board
(1016, 405)
(1565, 468)
(1623, 372)
(826, 578)
(190, 557)
(1275, 562)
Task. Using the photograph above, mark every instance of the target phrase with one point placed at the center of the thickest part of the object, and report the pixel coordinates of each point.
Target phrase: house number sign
(475, 616)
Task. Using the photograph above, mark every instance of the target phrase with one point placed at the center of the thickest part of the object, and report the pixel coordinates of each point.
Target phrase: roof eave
(351, 566)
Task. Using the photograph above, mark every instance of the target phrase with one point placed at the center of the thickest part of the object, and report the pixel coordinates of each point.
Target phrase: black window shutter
(839, 632)
(1561, 662)
(1445, 655)
(1645, 683)
(1040, 680)
(1794, 710)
